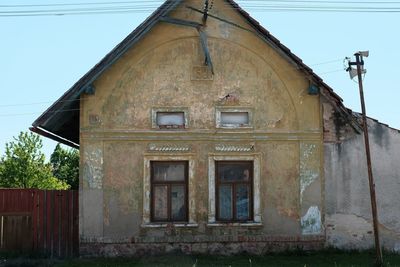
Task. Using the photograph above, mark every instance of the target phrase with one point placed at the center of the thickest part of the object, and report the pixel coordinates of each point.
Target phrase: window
(169, 191)
(170, 118)
(234, 190)
(233, 117)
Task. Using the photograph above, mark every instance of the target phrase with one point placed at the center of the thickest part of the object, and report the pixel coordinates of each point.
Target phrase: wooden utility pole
(360, 70)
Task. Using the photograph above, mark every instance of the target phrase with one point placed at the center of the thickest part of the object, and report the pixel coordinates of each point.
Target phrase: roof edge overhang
(54, 137)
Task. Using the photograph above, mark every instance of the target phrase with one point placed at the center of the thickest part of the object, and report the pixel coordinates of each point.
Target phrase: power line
(145, 6)
(36, 113)
(242, 2)
(38, 103)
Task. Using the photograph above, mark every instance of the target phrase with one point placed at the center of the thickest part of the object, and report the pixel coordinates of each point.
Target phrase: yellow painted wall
(160, 72)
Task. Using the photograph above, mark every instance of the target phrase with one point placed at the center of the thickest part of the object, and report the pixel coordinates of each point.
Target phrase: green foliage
(65, 164)
(23, 165)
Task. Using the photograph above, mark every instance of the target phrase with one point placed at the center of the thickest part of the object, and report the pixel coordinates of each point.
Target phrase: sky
(43, 56)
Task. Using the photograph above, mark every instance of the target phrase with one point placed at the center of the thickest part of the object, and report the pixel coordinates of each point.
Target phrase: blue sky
(43, 56)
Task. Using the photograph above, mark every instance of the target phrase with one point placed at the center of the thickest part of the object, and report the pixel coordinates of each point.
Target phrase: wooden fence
(39, 221)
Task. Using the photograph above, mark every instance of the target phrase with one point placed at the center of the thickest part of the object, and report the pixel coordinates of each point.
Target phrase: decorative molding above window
(234, 148)
(233, 117)
(169, 148)
(170, 118)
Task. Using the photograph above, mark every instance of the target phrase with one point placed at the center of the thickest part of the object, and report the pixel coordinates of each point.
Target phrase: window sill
(234, 127)
(165, 225)
(244, 224)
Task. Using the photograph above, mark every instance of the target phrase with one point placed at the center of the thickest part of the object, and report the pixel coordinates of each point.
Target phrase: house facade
(202, 133)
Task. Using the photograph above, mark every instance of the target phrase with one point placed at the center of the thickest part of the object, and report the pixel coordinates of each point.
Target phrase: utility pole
(360, 70)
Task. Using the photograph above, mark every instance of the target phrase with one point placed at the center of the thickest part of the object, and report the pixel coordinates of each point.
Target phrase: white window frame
(255, 158)
(146, 219)
(218, 117)
(183, 110)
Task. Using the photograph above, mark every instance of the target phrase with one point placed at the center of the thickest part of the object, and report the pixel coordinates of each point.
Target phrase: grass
(292, 259)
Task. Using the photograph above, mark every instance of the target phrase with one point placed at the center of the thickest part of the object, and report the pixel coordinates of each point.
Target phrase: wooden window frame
(234, 184)
(169, 184)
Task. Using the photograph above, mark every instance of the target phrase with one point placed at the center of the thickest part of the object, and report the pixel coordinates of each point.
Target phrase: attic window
(233, 118)
(170, 118)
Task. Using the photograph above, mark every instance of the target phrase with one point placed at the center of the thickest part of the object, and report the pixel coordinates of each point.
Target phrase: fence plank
(35, 223)
(56, 226)
(49, 219)
(75, 223)
(70, 250)
(42, 222)
(63, 224)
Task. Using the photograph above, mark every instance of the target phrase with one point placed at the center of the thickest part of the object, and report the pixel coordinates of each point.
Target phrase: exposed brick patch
(336, 128)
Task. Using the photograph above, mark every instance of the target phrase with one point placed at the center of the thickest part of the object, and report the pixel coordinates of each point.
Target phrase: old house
(201, 132)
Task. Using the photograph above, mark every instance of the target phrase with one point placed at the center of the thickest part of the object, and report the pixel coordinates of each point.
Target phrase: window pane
(170, 118)
(234, 118)
(160, 198)
(169, 171)
(242, 202)
(178, 209)
(225, 202)
(230, 172)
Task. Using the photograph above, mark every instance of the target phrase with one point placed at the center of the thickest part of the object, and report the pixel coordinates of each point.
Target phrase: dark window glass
(169, 191)
(234, 184)
(169, 171)
(225, 202)
(160, 203)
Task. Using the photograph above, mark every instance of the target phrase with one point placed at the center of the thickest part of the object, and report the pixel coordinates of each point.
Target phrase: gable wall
(165, 69)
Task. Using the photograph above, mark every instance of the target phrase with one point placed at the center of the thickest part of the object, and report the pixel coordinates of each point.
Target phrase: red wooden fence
(39, 221)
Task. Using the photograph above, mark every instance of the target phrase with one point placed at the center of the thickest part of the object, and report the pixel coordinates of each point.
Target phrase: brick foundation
(213, 248)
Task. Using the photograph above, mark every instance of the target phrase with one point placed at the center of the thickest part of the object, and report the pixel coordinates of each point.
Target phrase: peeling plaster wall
(348, 206)
(167, 70)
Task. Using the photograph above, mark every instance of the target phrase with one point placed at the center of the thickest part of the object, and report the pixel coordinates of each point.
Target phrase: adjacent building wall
(347, 197)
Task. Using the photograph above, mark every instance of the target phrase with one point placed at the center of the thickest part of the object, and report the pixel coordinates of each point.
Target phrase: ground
(300, 259)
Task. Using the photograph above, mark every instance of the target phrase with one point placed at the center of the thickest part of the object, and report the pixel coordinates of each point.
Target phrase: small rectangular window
(169, 191)
(234, 180)
(232, 117)
(235, 118)
(171, 119)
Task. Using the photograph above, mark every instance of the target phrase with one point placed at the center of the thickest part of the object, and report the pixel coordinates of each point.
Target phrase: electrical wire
(37, 113)
(242, 3)
(147, 6)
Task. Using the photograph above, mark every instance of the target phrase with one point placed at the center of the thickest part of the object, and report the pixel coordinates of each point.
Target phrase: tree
(23, 165)
(65, 164)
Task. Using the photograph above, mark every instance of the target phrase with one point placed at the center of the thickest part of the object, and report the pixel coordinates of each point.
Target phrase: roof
(61, 120)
